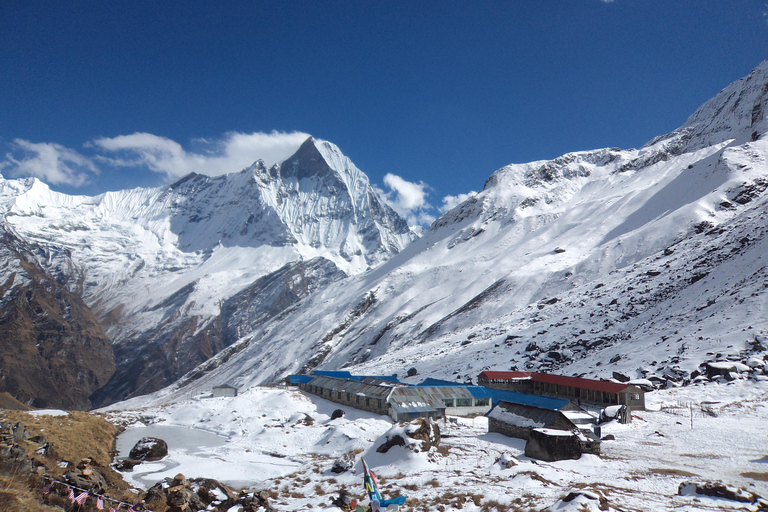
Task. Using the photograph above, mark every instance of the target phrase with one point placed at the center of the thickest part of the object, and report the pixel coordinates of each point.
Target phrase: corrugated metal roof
(351, 386)
(432, 394)
(576, 382)
(544, 402)
(402, 407)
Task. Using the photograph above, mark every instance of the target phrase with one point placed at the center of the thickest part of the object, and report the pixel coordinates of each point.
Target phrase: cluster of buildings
(548, 411)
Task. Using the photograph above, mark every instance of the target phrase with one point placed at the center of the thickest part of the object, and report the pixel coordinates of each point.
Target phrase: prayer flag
(80, 500)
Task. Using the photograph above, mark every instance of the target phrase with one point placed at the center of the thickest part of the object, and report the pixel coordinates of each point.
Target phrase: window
(379, 403)
(635, 396)
(349, 397)
(482, 401)
(367, 401)
(339, 394)
(463, 402)
(448, 402)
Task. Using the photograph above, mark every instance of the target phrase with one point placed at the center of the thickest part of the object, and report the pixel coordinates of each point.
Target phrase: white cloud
(232, 153)
(52, 163)
(408, 199)
(451, 202)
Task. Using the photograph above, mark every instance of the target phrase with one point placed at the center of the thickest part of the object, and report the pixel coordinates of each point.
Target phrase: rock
(718, 490)
(338, 413)
(149, 449)
(609, 437)
(87, 475)
(621, 377)
(588, 496)
(344, 463)
(412, 372)
(507, 460)
(127, 465)
(20, 433)
(424, 430)
(428, 433)
(396, 440)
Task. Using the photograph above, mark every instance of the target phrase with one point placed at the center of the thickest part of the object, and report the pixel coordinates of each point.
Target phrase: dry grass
(74, 437)
(754, 475)
(8, 402)
(671, 472)
(18, 494)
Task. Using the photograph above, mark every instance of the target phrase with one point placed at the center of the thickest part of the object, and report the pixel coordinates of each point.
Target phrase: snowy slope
(156, 265)
(285, 442)
(645, 261)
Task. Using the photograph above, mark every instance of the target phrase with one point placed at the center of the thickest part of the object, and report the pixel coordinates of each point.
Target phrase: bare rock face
(149, 449)
(53, 351)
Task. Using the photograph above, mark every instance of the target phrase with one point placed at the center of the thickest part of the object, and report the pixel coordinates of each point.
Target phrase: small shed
(518, 420)
(552, 444)
(225, 390)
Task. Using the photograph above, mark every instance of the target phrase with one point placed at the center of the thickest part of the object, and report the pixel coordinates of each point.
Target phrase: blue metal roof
(429, 381)
(342, 374)
(543, 402)
(299, 379)
(387, 378)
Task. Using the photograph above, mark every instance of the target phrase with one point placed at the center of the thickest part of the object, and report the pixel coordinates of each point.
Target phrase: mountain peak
(306, 162)
(736, 112)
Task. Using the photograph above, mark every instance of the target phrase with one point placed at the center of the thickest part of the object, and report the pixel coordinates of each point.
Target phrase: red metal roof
(576, 382)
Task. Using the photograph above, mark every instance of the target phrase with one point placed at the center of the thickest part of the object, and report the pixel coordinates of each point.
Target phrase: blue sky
(426, 97)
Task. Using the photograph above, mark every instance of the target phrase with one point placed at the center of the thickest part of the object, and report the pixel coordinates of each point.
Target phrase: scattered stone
(338, 413)
(507, 460)
(149, 449)
(344, 463)
(411, 372)
(87, 475)
(127, 465)
(721, 490)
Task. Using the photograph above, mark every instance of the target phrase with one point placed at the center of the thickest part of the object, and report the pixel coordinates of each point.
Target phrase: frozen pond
(184, 444)
(189, 440)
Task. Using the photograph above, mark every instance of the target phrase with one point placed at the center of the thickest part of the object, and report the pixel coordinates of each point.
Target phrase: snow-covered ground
(285, 442)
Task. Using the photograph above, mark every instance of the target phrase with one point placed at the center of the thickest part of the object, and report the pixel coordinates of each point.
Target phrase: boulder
(419, 436)
(344, 463)
(338, 413)
(149, 449)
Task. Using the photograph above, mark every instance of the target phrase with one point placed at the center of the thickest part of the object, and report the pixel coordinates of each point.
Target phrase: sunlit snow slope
(635, 260)
(157, 266)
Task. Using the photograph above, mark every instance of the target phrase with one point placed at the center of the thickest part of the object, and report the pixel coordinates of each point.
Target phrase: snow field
(284, 442)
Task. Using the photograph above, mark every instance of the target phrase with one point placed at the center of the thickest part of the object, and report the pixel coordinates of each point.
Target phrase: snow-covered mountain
(157, 265)
(646, 261)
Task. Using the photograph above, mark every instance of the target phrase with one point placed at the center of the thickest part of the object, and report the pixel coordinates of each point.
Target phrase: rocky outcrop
(180, 494)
